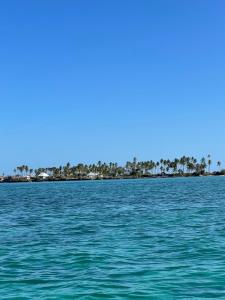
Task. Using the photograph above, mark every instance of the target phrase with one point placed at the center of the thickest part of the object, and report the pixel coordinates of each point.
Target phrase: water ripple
(122, 239)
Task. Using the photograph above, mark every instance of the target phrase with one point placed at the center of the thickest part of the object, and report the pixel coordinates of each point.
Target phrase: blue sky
(108, 80)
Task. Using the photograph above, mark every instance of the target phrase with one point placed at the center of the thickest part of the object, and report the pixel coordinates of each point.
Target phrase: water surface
(122, 239)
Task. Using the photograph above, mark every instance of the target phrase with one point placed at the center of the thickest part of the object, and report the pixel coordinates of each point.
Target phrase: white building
(92, 175)
(43, 175)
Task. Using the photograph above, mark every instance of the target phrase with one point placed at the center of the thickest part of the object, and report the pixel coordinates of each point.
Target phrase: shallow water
(122, 239)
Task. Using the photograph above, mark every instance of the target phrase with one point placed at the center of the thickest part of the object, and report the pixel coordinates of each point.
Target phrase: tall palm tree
(209, 162)
(203, 164)
(20, 169)
(26, 169)
(183, 162)
(219, 164)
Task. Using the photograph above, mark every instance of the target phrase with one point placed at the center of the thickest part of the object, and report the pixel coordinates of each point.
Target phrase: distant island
(179, 167)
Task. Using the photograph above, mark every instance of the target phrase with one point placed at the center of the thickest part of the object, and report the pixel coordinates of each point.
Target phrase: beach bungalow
(92, 175)
(43, 175)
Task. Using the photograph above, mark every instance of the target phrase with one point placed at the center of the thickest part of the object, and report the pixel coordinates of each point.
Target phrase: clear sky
(108, 80)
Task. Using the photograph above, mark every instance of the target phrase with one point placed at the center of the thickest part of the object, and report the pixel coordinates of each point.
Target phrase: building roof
(43, 174)
(92, 174)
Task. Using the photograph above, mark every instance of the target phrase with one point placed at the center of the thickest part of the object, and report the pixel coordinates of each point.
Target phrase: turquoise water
(122, 239)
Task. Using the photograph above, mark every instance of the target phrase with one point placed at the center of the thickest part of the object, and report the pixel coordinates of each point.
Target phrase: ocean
(115, 239)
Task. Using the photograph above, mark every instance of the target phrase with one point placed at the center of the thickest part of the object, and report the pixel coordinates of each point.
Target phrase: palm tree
(134, 164)
(183, 162)
(161, 165)
(219, 164)
(209, 162)
(20, 169)
(202, 165)
(26, 169)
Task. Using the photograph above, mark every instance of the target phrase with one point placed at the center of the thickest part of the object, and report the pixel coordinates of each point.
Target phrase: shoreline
(33, 180)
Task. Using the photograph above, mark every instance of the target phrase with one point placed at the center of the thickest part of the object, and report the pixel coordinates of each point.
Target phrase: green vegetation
(183, 166)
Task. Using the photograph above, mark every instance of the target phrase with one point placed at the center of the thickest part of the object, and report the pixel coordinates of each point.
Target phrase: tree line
(179, 166)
